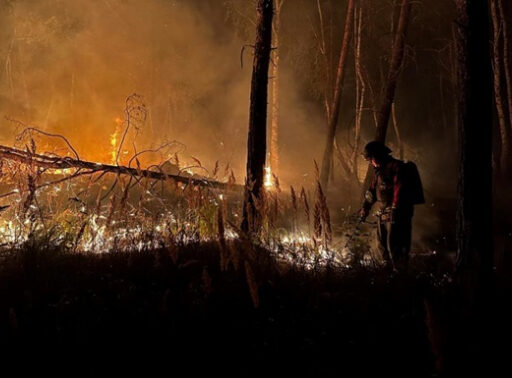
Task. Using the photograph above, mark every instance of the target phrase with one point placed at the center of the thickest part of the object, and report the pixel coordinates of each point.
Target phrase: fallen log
(60, 162)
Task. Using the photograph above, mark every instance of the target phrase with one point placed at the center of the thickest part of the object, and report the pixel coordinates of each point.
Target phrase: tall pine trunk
(274, 135)
(257, 138)
(336, 102)
(394, 70)
(360, 88)
(397, 57)
(505, 155)
(474, 109)
(506, 58)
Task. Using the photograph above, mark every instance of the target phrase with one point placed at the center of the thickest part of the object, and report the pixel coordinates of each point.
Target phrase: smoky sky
(68, 67)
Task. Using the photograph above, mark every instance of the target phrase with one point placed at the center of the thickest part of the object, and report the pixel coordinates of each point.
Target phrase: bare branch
(242, 54)
(52, 162)
(30, 129)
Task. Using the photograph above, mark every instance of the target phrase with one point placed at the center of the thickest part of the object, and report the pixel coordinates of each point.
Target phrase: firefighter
(395, 207)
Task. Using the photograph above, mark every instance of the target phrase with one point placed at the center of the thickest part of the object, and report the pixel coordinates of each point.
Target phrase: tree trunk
(327, 54)
(506, 60)
(397, 132)
(274, 137)
(390, 87)
(257, 138)
(474, 265)
(474, 214)
(498, 90)
(85, 167)
(360, 88)
(335, 107)
(394, 71)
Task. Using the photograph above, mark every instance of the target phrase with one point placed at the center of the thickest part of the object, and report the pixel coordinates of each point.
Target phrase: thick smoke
(69, 65)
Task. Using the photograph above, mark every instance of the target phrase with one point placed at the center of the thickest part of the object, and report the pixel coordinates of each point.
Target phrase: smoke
(69, 67)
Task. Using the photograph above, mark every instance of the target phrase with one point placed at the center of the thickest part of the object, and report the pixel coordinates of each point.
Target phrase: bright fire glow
(62, 171)
(114, 140)
(269, 181)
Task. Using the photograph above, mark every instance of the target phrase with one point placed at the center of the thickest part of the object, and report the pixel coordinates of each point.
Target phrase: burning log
(64, 163)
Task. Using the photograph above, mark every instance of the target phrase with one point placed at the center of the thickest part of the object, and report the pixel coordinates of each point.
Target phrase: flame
(114, 140)
(63, 171)
(269, 181)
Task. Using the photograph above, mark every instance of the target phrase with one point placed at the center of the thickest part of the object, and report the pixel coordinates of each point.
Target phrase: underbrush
(126, 275)
(183, 308)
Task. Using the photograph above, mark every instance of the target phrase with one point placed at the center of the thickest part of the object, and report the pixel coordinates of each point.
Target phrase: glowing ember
(269, 181)
(63, 171)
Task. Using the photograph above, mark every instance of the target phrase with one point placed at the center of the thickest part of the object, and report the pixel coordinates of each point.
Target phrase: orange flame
(114, 140)
(58, 171)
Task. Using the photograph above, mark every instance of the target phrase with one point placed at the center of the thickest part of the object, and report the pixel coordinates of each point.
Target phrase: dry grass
(84, 252)
(178, 307)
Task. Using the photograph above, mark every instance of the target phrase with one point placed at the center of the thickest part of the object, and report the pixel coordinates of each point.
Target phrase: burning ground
(123, 273)
(121, 266)
(121, 245)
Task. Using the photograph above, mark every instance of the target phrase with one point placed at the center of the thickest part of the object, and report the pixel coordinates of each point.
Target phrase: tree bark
(360, 88)
(335, 107)
(392, 79)
(274, 136)
(474, 214)
(506, 60)
(257, 138)
(397, 132)
(505, 154)
(394, 71)
(326, 53)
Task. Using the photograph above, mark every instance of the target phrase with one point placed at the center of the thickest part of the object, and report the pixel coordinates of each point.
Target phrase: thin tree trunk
(498, 90)
(372, 98)
(335, 107)
(393, 113)
(274, 137)
(341, 157)
(506, 61)
(397, 132)
(453, 81)
(392, 79)
(323, 51)
(8, 65)
(394, 71)
(257, 137)
(474, 214)
(360, 89)
(330, 49)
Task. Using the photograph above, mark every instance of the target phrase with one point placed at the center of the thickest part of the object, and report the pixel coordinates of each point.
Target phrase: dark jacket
(387, 186)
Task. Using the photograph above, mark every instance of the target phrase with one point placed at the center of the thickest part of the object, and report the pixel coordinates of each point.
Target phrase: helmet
(375, 150)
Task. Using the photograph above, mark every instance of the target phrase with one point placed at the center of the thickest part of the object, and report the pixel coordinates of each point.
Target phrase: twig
(29, 129)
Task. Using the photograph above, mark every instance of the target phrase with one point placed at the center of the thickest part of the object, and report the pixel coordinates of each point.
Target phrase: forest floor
(168, 311)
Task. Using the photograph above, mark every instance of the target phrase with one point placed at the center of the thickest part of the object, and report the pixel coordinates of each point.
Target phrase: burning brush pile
(62, 201)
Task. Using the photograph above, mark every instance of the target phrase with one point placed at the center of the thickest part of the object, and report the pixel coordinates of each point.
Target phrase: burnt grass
(150, 313)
